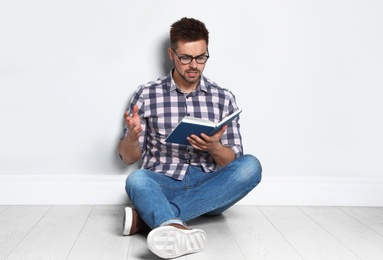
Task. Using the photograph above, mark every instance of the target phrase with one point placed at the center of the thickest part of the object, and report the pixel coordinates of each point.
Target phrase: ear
(171, 54)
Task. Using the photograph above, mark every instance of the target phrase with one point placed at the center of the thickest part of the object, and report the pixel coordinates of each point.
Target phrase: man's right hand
(129, 147)
(133, 122)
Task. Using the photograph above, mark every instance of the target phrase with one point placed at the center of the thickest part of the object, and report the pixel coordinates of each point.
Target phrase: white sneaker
(132, 223)
(176, 240)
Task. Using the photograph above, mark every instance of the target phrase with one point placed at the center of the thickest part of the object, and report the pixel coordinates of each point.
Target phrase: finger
(126, 116)
(135, 111)
(205, 137)
(212, 139)
(224, 128)
(199, 143)
(198, 140)
(131, 123)
(221, 131)
(195, 145)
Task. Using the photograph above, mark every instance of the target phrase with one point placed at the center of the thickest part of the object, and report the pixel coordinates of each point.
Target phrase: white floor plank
(256, 236)
(308, 238)
(54, 235)
(101, 238)
(220, 241)
(369, 216)
(15, 223)
(359, 238)
(242, 232)
(3, 207)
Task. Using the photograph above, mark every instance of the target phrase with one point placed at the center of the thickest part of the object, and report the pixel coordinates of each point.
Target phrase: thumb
(135, 111)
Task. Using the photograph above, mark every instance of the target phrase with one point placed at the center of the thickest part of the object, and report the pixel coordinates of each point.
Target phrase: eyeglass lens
(186, 59)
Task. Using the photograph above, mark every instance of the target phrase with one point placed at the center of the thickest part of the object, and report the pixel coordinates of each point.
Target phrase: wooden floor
(242, 232)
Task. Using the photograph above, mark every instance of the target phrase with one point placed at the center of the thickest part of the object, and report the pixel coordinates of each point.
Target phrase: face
(188, 75)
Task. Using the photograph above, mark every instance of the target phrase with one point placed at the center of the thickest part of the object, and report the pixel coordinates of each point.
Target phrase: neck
(184, 85)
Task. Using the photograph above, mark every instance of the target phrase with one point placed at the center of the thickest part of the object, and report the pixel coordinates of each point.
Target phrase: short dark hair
(188, 30)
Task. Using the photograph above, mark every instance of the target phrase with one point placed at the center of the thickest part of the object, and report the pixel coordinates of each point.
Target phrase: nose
(193, 63)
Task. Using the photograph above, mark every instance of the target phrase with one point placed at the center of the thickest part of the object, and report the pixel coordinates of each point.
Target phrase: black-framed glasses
(187, 59)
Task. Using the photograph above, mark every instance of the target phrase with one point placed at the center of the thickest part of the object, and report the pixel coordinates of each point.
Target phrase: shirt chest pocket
(162, 124)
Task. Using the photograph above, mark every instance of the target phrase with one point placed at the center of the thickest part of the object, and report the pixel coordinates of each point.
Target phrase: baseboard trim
(109, 189)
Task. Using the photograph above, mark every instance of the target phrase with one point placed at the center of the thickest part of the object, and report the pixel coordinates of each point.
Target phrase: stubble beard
(187, 79)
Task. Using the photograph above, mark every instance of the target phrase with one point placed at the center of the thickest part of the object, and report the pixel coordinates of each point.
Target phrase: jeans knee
(136, 181)
(251, 169)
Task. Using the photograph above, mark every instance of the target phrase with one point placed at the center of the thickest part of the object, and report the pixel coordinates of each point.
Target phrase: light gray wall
(308, 75)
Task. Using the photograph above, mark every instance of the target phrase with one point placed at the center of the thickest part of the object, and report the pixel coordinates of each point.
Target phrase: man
(177, 183)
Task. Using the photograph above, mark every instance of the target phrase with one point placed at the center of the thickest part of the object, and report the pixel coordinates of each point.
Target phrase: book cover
(191, 125)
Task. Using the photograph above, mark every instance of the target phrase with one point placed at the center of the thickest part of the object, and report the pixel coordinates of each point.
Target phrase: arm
(221, 154)
(129, 147)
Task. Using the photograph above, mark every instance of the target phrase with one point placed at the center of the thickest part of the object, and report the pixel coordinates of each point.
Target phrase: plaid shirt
(162, 105)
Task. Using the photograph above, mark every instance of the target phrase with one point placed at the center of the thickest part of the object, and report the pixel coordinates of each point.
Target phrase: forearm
(222, 155)
(129, 150)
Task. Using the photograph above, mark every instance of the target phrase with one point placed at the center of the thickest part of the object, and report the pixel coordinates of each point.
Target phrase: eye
(202, 58)
(186, 58)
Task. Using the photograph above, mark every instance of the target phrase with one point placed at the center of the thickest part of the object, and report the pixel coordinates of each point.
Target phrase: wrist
(131, 138)
(216, 149)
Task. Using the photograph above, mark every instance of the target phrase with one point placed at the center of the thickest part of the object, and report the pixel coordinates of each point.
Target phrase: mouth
(192, 73)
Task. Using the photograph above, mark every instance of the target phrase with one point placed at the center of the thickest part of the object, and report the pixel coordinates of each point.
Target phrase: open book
(191, 125)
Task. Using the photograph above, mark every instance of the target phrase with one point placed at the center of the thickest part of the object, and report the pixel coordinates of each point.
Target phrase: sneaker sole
(170, 242)
(127, 223)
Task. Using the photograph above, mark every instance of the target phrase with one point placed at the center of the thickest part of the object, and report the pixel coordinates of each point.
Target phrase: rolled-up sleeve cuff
(237, 150)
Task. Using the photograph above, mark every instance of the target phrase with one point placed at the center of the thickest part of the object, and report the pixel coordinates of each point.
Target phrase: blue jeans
(159, 198)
